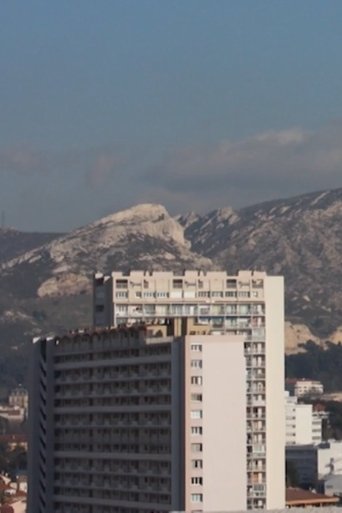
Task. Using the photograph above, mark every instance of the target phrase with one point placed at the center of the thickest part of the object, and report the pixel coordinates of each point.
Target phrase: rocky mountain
(299, 237)
(145, 236)
(45, 280)
(14, 242)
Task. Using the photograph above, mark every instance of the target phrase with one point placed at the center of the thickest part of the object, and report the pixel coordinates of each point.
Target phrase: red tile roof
(299, 497)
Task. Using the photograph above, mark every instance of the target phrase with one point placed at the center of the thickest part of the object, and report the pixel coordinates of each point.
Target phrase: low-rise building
(18, 397)
(314, 463)
(11, 419)
(302, 387)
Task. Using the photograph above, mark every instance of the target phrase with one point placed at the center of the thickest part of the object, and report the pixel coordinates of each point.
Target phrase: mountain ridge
(300, 237)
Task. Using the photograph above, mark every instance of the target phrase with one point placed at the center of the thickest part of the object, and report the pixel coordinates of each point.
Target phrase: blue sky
(193, 104)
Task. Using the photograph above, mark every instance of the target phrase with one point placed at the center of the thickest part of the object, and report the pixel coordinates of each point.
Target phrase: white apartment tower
(250, 305)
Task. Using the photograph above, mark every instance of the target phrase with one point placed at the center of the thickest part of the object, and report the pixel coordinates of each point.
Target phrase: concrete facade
(137, 420)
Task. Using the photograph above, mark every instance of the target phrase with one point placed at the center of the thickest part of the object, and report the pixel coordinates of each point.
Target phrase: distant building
(19, 397)
(302, 387)
(14, 441)
(314, 463)
(332, 485)
(303, 425)
(11, 419)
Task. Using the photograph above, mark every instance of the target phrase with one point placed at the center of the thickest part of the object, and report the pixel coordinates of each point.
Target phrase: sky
(196, 105)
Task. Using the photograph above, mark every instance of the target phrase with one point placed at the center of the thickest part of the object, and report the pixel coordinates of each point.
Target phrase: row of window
(122, 283)
(202, 294)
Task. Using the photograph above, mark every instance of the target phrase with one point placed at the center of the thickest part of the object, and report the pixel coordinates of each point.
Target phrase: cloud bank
(264, 166)
(75, 186)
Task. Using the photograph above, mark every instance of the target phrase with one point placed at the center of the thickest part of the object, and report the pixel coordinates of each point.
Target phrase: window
(121, 294)
(196, 397)
(162, 294)
(244, 294)
(197, 480)
(244, 309)
(196, 447)
(196, 463)
(216, 294)
(138, 293)
(148, 294)
(121, 284)
(231, 284)
(196, 430)
(99, 308)
(196, 364)
(177, 284)
(196, 347)
(177, 309)
(230, 293)
(203, 293)
(196, 497)
(196, 414)
(196, 380)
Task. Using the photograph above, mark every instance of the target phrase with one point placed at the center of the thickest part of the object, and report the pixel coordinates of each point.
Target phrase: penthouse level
(215, 297)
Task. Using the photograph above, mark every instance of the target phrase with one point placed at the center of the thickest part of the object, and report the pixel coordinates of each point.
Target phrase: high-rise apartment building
(249, 305)
(145, 419)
